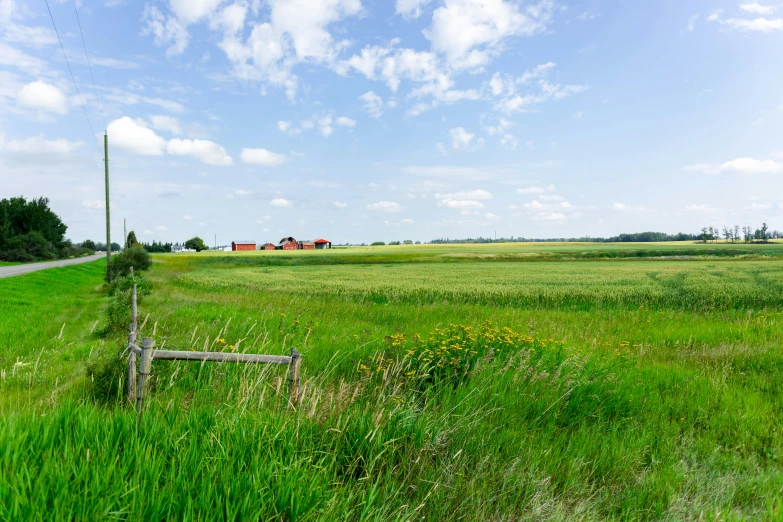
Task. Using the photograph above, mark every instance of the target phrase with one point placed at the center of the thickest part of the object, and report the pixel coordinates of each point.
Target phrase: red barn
(289, 243)
(307, 245)
(243, 245)
(269, 246)
(322, 243)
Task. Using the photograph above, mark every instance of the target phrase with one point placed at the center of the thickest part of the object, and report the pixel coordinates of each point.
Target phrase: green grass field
(455, 382)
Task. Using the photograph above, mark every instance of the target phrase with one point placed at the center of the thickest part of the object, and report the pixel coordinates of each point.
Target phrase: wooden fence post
(144, 372)
(293, 378)
(131, 364)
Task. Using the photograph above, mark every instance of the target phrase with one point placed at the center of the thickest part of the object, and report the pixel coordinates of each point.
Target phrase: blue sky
(364, 120)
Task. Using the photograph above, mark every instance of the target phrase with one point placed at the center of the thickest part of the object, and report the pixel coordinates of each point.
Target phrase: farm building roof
(244, 242)
(287, 239)
(322, 240)
(308, 242)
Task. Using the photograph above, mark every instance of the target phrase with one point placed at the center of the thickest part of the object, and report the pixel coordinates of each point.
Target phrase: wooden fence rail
(142, 357)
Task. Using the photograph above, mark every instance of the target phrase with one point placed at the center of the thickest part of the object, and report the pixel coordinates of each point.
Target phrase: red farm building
(288, 243)
(322, 243)
(268, 246)
(243, 245)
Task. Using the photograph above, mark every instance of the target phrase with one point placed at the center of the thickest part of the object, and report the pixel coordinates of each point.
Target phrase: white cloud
(165, 31)
(410, 8)
(463, 140)
(389, 207)
(284, 126)
(461, 204)
(281, 203)
(760, 206)
(344, 121)
(339, 204)
(373, 104)
(628, 209)
(325, 124)
(94, 204)
(187, 217)
(12, 57)
(42, 96)
(757, 8)
(38, 146)
(261, 157)
(501, 128)
(692, 22)
(243, 192)
(132, 136)
(166, 123)
(161, 228)
(550, 216)
(470, 32)
(699, 208)
(468, 194)
(758, 24)
(206, 151)
(531, 190)
(739, 166)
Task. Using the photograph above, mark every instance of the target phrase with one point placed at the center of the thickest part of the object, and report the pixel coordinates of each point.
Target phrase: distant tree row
(31, 231)
(746, 234)
(405, 242)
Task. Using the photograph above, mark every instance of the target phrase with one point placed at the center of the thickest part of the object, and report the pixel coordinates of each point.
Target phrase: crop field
(455, 382)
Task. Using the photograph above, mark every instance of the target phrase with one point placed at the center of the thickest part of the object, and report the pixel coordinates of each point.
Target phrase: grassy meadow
(454, 382)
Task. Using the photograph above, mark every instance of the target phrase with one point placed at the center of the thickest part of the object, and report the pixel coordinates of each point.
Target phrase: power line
(92, 132)
(95, 90)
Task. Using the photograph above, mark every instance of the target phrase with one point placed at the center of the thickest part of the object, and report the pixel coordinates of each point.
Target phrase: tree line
(730, 234)
(737, 234)
(31, 231)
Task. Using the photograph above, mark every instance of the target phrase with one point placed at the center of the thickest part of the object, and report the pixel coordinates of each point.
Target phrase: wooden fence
(141, 357)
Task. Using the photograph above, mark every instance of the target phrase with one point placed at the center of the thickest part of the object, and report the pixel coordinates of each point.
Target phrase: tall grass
(641, 408)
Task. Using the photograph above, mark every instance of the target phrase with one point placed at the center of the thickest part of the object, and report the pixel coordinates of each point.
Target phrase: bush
(395, 243)
(108, 375)
(377, 243)
(125, 284)
(135, 257)
(28, 247)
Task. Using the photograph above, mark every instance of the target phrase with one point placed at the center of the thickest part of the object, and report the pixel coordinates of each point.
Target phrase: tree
(377, 243)
(196, 243)
(407, 242)
(703, 234)
(764, 232)
(89, 244)
(131, 240)
(30, 230)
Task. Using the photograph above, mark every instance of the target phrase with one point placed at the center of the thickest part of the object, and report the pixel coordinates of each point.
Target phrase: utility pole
(108, 218)
(215, 241)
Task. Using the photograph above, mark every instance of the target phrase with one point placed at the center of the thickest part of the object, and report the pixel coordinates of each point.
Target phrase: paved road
(8, 271)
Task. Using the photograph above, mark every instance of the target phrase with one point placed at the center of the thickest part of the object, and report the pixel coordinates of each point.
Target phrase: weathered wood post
(131, 364)
(293, 378)
(144, 372)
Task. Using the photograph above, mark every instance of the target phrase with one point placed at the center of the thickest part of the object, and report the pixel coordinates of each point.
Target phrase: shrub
(108, 374)
(395, 243)
(28, 247)
(377, 243)
(135, 257)
(125, 284)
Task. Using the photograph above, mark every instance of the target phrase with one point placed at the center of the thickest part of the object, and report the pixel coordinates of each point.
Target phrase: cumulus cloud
(410, 8)
(531, 190)
(463, 140)
(344, 121)
(758, 24)
(373, 104)
(281, 203)
(389, 207)
(467, 194)
(757, 8)
(340, 204)
(206, 151)
(461, 204)
(38, 146)
(132, 136)
(166, 123)
(739, 166)
(470, 32)
(42, 96)
(261, 157)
